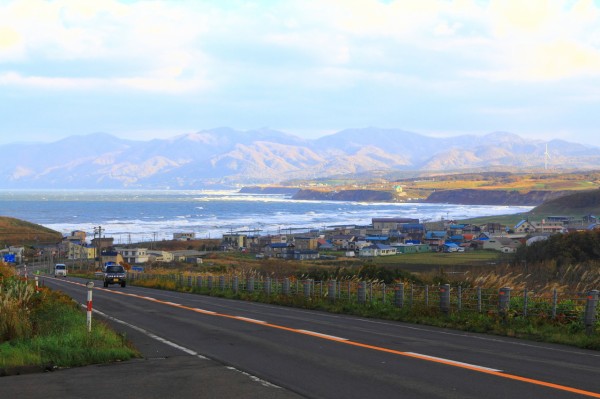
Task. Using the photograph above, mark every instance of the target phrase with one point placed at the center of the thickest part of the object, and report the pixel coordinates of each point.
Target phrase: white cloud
(173, 46)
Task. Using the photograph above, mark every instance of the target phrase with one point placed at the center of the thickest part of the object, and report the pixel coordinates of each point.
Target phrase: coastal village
(383, 237)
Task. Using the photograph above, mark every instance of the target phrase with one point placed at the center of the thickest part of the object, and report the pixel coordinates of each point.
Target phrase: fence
(504, 302)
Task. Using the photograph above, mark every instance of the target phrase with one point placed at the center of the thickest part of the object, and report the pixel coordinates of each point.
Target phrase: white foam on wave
(275, 215)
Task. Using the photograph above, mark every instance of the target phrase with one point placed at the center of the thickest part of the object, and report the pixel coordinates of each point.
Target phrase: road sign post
(90, 286)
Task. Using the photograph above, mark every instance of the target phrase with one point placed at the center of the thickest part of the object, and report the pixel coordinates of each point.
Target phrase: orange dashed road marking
(447, 362)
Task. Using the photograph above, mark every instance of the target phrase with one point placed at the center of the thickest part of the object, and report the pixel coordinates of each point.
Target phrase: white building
(134, 255)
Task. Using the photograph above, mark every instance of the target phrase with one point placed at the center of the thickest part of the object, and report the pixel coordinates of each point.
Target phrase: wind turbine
(546, 157)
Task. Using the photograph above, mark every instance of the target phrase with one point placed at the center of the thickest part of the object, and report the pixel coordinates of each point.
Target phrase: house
(377, 239)
(279, 250)
(411, 248)
(435, 239)
(324, 245)
(413, 231)
(102, 243)
(134, 255)
(74, 250)
(502, 244)
(524, 227)
(391, 223)
(305, 254)
(305, 243)
(234, 241)
(342, 241)
(184, 236)
(450, 247)
(492, 228)
(160, 256)
(188, 256)
(377, 250)
(111, 257)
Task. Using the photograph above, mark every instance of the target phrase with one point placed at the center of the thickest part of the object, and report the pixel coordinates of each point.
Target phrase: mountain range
(225, 157)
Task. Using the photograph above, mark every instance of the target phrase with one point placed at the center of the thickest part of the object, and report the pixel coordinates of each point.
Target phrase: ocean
(136, 216)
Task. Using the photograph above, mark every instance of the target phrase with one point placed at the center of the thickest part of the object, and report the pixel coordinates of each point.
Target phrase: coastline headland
(458, 196)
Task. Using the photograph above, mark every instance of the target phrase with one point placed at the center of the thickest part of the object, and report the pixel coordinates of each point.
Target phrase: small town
(383, 237)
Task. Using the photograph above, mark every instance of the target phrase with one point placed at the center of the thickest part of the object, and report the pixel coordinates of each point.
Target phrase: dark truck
(115, 274)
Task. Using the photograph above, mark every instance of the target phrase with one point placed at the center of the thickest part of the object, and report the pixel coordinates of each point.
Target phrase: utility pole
(98, 230)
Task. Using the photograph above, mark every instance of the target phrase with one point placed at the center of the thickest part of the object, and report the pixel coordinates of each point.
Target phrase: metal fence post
(525, 302)
(268, 286)
(362, 292)
(210, 282)
(250, 284)
(554, 303)
(399, 295)
(285, 289)
(189, 281)
(427, 295)
(412, 294)
(236, 284)
(591, 305)
(459, 304)
(383, 293)
(479, 305)
(445, 298)
(503, 300)
(199, 282)
(306, 287)
(331, 290)
(222, 283)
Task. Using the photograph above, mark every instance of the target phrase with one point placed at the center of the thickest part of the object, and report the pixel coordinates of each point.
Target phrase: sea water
(135, 216)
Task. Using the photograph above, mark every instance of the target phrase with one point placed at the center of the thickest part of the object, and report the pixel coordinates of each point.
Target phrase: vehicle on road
(60, 269)
(115, 274)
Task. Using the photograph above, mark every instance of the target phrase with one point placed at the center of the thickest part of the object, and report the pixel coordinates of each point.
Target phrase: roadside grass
(45, 329)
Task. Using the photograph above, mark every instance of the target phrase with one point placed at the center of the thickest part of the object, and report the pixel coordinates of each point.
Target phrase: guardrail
(504, 302)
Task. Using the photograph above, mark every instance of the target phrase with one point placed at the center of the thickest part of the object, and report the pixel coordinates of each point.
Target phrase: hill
(19, 232)
(578, 204)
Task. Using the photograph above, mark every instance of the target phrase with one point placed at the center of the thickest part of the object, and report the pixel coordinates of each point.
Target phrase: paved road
(321, 355)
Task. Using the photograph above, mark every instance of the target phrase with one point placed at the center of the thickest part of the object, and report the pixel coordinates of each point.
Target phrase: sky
(157, 69)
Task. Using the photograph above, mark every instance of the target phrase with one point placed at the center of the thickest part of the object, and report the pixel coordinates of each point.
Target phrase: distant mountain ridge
(225, 157)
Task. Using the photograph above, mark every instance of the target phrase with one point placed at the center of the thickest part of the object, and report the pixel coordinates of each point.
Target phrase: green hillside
(579, 204)
(19, 232)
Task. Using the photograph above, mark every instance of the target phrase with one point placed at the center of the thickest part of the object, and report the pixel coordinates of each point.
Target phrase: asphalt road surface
(293, 352)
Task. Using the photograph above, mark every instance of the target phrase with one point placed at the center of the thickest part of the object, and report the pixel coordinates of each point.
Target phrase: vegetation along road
(321, 355)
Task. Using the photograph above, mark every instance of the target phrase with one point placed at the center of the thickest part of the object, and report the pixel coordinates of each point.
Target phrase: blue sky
(157, 69)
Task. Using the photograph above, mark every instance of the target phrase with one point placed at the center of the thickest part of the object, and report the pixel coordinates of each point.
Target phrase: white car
(60, 269)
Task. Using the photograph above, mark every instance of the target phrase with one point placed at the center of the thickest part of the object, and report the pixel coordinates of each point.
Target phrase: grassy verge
(46, 329)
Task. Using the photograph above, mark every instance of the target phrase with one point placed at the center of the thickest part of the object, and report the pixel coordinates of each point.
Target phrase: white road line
(152, 335)
(204, 311)
(250, 320)
(454, 362)
(254, 378)
(182, 348)
(333, 337)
